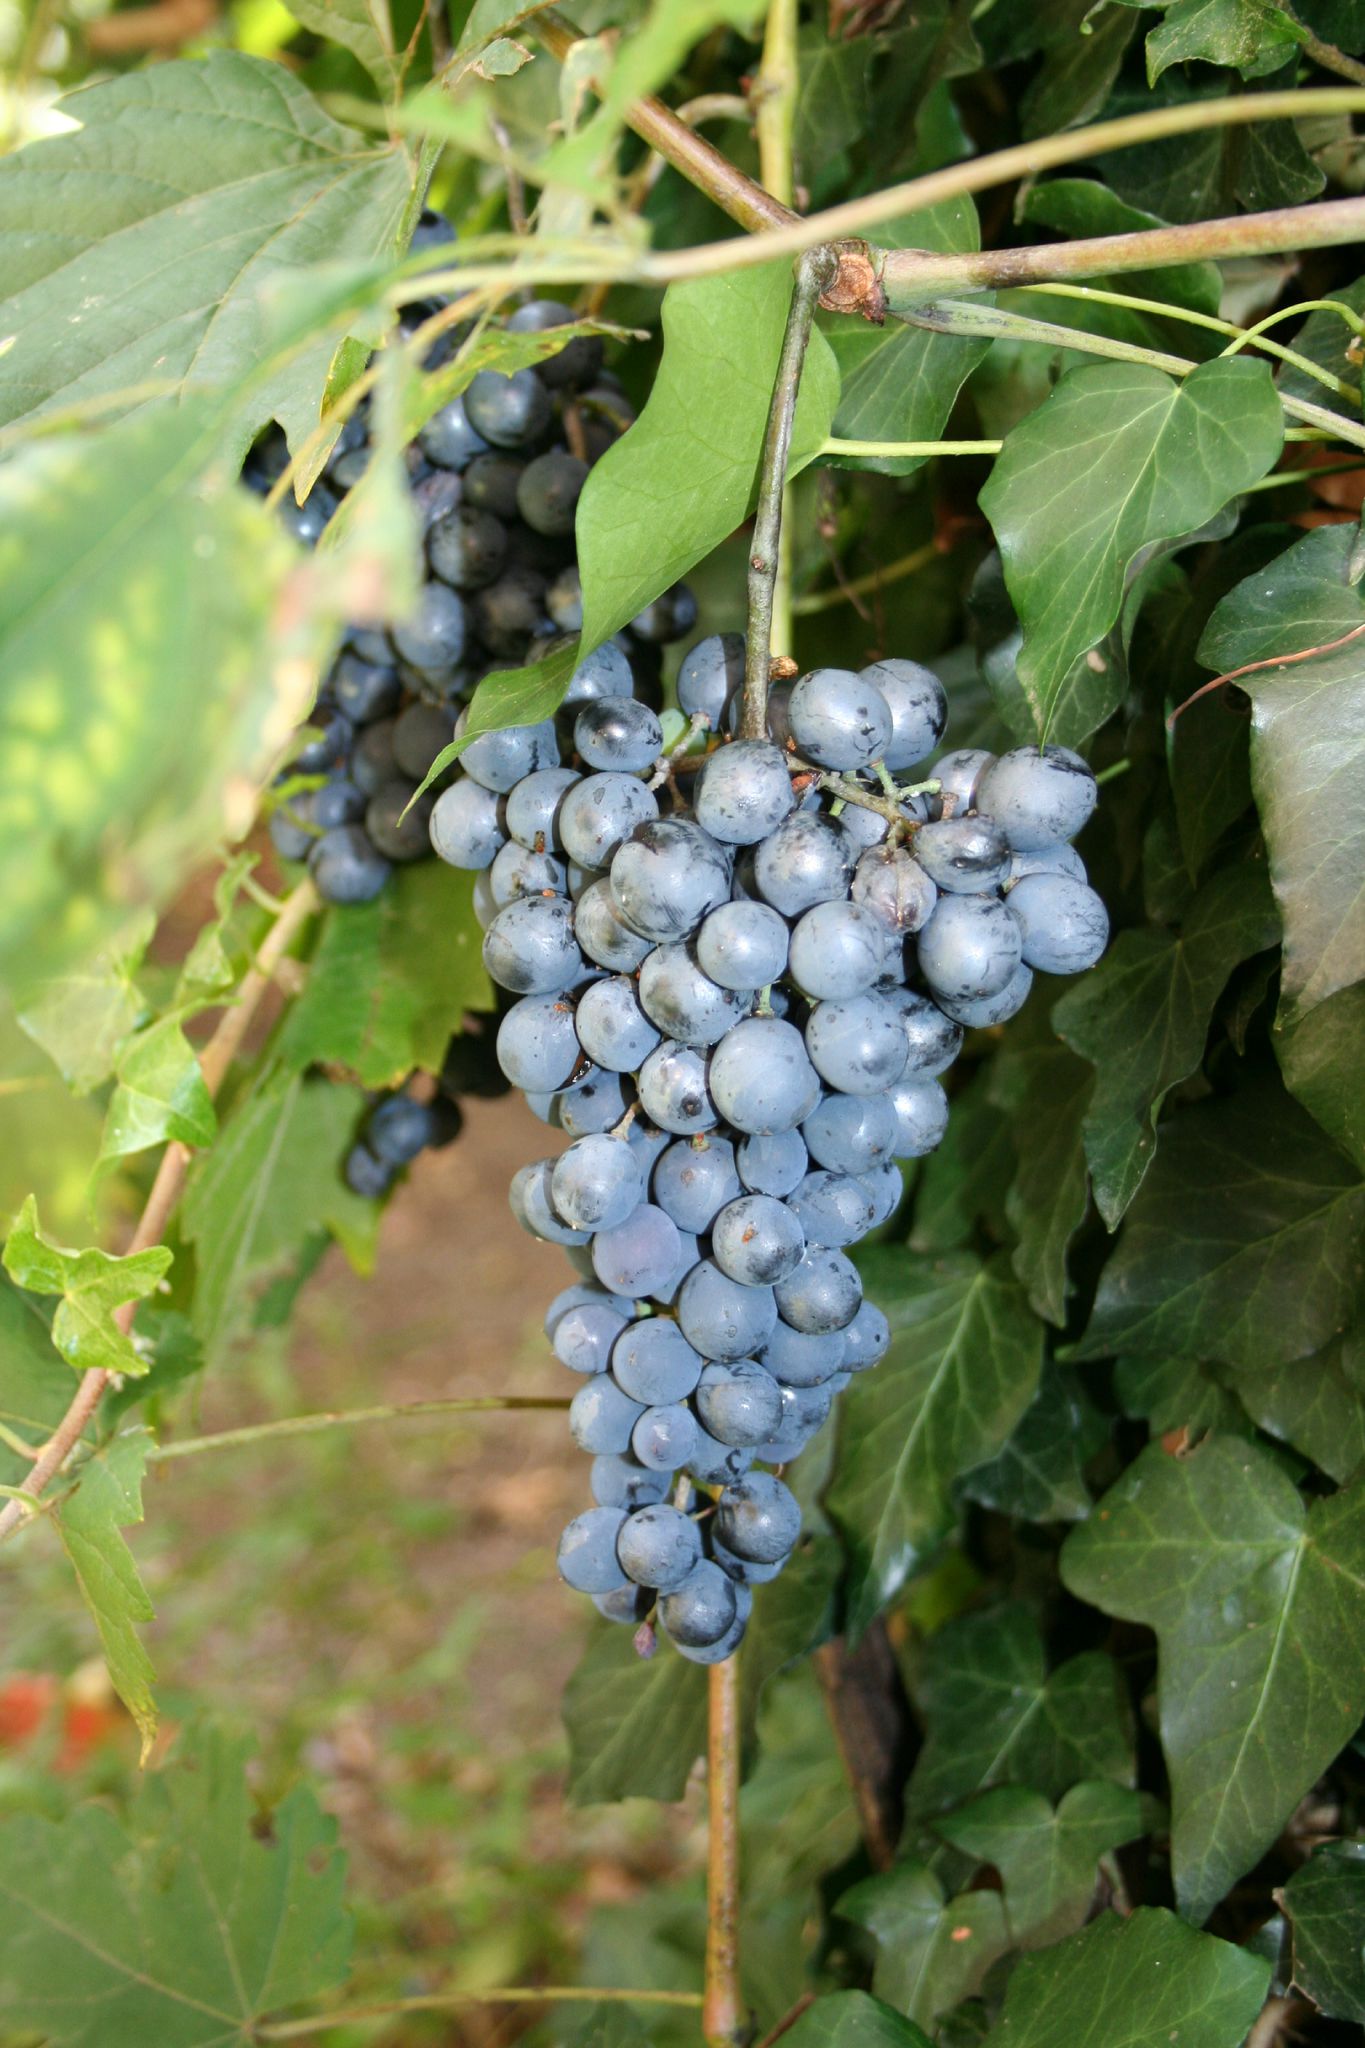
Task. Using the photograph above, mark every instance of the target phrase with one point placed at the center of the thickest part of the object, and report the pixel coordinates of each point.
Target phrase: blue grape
(824, 1292)
(587, 1551)
(596, 1102)
(745, 1572)
(674, 1091)
(743, 945)
(919, 709)
(432, 636)
(597, 1184)
(516, 872)
(533, 1206)
(367, 1176)
(653, 1362)
(963, 855)
(970, 948)
(702, 1610)
(957, 774)
(629, 1605)
(761, 1076)
(372, 761)
(605, 672)
(710, 674)
(757, 1518)
(600, 812)
(758, 1240)
(449, 439)
(618, 733)
(921, 1111)
(1063, 923)
(891, 885)
(549, 490)
(858, 1046)
(330, 735)
(802, 1358)
(686, 1004)
(739, 1402)
(584, 1336)
(538, 1047)
(500, 760)
(771, 1163)
(693, 1180)
(689, 1251)
(851, 1133)
(490, 484)
(601, 1417)
(722, 1318)
(804, 1411)
(664, 1438)
(419, 735)
(604, 934)
(612, 1027)
(666, 876)
(839, 719)
(1037, 795)
(933, 1039)
(577, 363)
(639, 1256)
(715, 1463)
(982, 1011)
(508, 411)
(744, 792)
(837, 950)
(668, 617)
(832, 1208)
(399, 1128)
(467, 548)
(885, 1190)
(530, 948)
(658, 1547)
(618, 1481)
(511, 611)
(397, 821)
(346, 868)
(585, 1293)
(1060, 859)
(866, 1339)
(804, 862)
(365, 690)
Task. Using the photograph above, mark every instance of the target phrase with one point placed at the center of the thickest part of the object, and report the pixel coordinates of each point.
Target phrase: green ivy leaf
(184, 1926)
(965, 1355)
(1307, 750)
(898, 383)
(1130, 1983)
(1319, 1058)
(1119, 456)
(1326, 339)
(365, 28)
(932, 1951)
(106, 1497)
(1325, 1901)
(1250, 36)
(1317, 1404)
(963, 1179)
(851, 2019)
(238, 177)
(1142, 1016)
(1046, 1857)
(1242, 1244)
(35, 1386)
(685, 475)
(1258, 1603)
(390, 980)
(92, 1284)
(1082, 52)
(1046, 1092)
(1178, 1394)
(255, 1201)
(115, 558)
(161, 1094)
(81, 1019)
(517, 696)
(1039, 1474)
(1198, 176)
(995, 1716)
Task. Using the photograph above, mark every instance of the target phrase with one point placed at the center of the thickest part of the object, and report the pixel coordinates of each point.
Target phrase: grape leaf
(1258, 1603)
(105, 1497)
(136, 247)
(995, 1716)
(852, 2019)
(390, 980)
(1242, 1245)
(1325, 1901)
(1130, 1983)
(363, 27)
(1046, 1858)
(1250, 36)
(1142, 1016)
(160, 1094)
(1039, 1474)
(1119, 456)
(270, 1183)
(1319, 1058)
(1307, 750)
(81, 1019)
(898, 383)
(1045, 1091)
(685, 475)
(182, 1927)
(1317, 1404)
(932, 1951)
(965, 1355)
(92, 1284)
(114, 562)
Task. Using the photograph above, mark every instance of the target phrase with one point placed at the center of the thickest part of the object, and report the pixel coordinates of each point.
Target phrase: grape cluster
(737, 1005)
(400, 1125)
(495, 482)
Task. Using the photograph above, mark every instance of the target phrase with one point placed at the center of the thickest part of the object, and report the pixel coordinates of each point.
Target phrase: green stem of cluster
(451, 2001)
(349, 1418)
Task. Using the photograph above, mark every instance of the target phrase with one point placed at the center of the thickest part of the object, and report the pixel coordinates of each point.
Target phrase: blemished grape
(978, 1012)
(1037, 795)
(851, 1133)
(640, 1255)
(761, 1077)
(584, 1335)
(963, 855)
(673, 1090)
(601, 811)
(758, 1519)
(613, 1029)
(803, 1358)
(658, 1547)
(739, 1402)
(894, 888)
(957, 774)
(597, 1184)
(771, 1163)
(665, 877)
(838, 719)
(758, 1239)
(866, 1339)
(587, 1551)
(837, 950)
(516, 872)
(743, 792)
(804, 862)
(619, 1482)
(500, 760)
(970, 948)
(858, 1046)
(919, 709)
(703, 1608)
(1065, 926)
(693, 1181)
(743, 945)
(686, 1004)
(724, 1318)
(822, 1293)
(832, 1208)
(601, 1417)
(618, 732)
(665, 1438)
(530, 948)
(603, 933)
(710, 674)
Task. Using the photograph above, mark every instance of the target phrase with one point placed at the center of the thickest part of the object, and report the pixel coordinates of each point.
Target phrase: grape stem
(214, 1062)
(723, 2022)
(814, 273)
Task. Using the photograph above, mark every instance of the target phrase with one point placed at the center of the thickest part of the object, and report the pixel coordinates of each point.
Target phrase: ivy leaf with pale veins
(1307, 750)
(966, 1351)
(1258, 1603)
(1317, 1404)
(118, 558)
(932, 1951)
(852, 2019)
(1319, 1057)
(995, 1716)
(1244, 1245)
(686, 474)
(1325, 1901)
(1250, 36)
(1142, 1017)
(183, 1927)
(92, 1284)
(1119, 456)
(1039, 1474)
(1046, 1857)
(106, 1496)
(1130, 1983)
(390, 980)
(898, 382)
(270, 1184)
(161, 1094)
(136, 247)
(1045, 1091)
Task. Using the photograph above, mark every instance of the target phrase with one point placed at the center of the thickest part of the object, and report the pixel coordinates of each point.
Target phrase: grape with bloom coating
(666, 876)
(838, 719)
(587, 1551)
(1037, 795)
(658, 1547)
(743, 792)
(761, 1077)
(1063, 924)
(757, 1239)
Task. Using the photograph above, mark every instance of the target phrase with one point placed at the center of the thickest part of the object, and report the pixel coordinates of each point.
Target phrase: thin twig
(214, 1062)
(722, 2013)
(349, 1418)
(850, 590)
(449, 2001)
(773, 95)
(1270, 661)
(1329, 56)
(788, 2019)
(813, 273)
